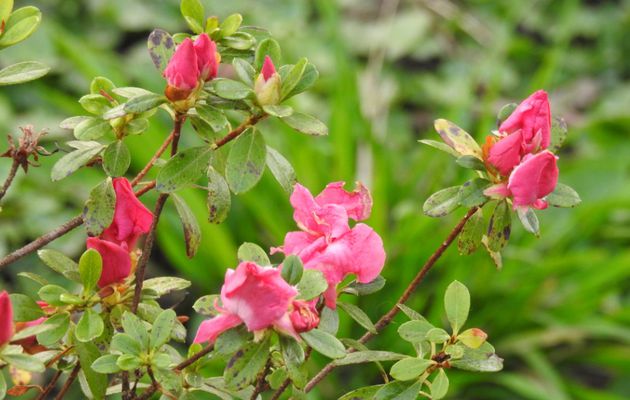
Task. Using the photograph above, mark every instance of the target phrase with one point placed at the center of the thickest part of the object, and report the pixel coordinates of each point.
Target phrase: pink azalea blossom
(254, 295)
(131, 219)
(326, 241)
(207, 57)
(527, 130)
(304, 316)
(182, 71)
(533, 179)
(6, 319)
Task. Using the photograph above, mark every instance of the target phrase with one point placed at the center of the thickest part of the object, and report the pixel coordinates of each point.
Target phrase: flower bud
(473, 338)
(6, 319)
(304, 316)
(208, 58)
(182, 72)
(268, 86)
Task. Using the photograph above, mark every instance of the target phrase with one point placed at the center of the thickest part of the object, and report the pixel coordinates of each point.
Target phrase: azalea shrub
(106, 330)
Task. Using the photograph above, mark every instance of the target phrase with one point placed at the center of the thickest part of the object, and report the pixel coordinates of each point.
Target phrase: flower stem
(10, 177)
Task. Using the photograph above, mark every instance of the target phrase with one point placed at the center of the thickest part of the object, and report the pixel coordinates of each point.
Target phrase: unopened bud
(473, 338)
(268, 84)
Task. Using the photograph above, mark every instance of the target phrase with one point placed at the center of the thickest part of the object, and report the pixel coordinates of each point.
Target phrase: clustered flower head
(260, 298)
(193, 63)
(116, 244)
(525, 170)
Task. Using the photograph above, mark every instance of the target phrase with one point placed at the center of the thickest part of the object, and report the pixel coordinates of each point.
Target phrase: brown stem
(193, 359)
(251, 121)
(287, 381)
(126, 394)
(260, 383)
(155, 157)
(10, 177)
(387, 318)
(50, 386)
(69, 381)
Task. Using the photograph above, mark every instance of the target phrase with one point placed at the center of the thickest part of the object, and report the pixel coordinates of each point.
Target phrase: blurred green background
(558, 312)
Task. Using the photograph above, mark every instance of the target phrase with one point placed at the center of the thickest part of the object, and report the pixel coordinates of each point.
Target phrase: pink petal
(207, 57)
(531, 116)
(533, 179)
(268, 69)
(210, 329)
(116, 260)
(368, 253)
(303, 204)
(358, 203)
(6, 318)
(182, 71)
(498, 191)
(506, 153)
(131, 217)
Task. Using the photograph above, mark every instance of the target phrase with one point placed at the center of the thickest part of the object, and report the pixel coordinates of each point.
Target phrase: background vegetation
(558, 312)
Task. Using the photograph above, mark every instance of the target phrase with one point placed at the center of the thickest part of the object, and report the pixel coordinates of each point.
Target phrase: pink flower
(327, 243)
(182, 71)
(254, 295)
(207, 57)
(533, 179)
(304, 316)
(527, 130)
(131, 219)
(6, 319)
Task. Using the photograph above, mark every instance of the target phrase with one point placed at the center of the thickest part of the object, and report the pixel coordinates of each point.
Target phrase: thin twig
(10, 177)
(260, 383)
(50, 386)
(193, 359)
(388, 317)
(251, 121)
(287, 381)
(155, 157)
(69, 381)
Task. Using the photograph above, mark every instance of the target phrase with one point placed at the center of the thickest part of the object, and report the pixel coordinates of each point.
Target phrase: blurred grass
(559, 311)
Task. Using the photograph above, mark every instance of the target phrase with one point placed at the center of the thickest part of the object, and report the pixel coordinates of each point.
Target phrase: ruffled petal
(358, 203)
(210, 329)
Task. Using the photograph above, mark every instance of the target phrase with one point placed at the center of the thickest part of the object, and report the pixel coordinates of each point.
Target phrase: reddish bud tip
(268, 68)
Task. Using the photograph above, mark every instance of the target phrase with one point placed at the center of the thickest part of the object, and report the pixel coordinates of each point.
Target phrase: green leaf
(410, 368)
(100, 85)
(267, 47)
(482, 359)
(89, 327)
(252, 252)
(442, 202)
(457, 138)
(440, 146)
(505, 112)
(563, 196)
(399, 390)
(143, 103)
(125, 344)
(364, 393)
(50, 294)
(24, 361)
(162, 328)
(329, 320)
(24, 308)
(528, 218)
(135, 328)
(415, 331)
(278, 110)
(470, 238)
(90, 268)
(366, 356)
(205, 305)
(95, 104)
(308, 79)
(293, 77)
(88, 353)
(500, 227)
(56, 328)
(358, 315)
(229, 89)
(3, 382)
(22, 72)
(306, 124)
(219, 198)
(410, 313)
(457, 305)
(161, 48)
(6, 6)
(437, 335)
(193, 13)
(128, 362)
(471, 162)
(558, 134)
(281, 169)
(231, 341)
(58, 262)
(192, 232)
(20, 25)
(363, 289)
(213, 116)
(311, 285)
(166, 284)
(98, 212)
(324, 343)
(244, 71)
(34, 277)
(245, 364)
(230, 24)
(246, 161)
(106, 364)
(183, 168)
(293, 356)
(292, 269)
(74, 160)
(72, 122)
(439, 387)
(116, 159)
